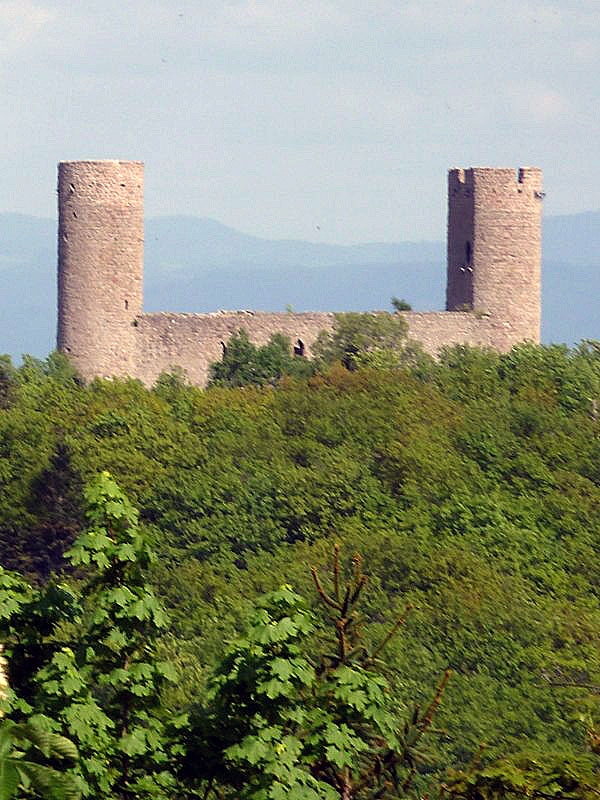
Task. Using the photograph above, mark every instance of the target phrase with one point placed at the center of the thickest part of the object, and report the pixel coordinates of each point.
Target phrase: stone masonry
(493, 283)
(100, 264)
(495, 246)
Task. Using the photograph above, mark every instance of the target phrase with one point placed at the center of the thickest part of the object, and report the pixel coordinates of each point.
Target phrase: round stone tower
(494, 248)
(100, 264)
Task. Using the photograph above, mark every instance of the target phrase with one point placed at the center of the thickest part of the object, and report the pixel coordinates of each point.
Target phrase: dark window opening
(224, 347)
(126, 304)
(299, 348)
(467, 253)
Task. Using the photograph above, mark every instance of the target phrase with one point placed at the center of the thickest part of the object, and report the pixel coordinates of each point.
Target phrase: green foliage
(88, 666)
(247, 736)
(553, 776)
(400, 304)
(8, 381)
(246, 364)
(169, 384)
(55, 502)
(28, 622)
(57, 367)
(471, 485)
(282, 719)
(122, 623)
(360, 340)
(27, 751)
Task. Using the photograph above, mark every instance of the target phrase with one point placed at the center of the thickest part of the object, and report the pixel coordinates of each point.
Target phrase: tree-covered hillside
(471, 487)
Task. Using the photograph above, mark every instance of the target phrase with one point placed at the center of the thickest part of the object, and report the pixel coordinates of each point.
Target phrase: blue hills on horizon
(197, 264)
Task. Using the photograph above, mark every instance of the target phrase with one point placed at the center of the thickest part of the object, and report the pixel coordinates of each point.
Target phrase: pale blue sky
(329, 121)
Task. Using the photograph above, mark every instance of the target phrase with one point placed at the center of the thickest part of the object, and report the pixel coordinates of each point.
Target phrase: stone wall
(437, 329)
(192, 341)
(494, 254)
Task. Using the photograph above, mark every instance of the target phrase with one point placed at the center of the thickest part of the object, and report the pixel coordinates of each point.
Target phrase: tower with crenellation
(494, 246)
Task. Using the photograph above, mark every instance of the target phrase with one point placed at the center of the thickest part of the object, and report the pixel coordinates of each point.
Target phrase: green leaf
(133, 744)
(282, 668)
(167, 670)
(9, 779)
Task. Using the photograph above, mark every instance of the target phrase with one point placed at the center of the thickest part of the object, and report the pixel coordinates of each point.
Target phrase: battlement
(497, 179)
(494, 255)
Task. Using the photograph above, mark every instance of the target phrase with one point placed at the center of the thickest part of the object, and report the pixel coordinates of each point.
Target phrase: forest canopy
(470, 485)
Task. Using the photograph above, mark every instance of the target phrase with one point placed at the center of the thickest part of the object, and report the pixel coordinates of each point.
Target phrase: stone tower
(494, 247)
(100, 264)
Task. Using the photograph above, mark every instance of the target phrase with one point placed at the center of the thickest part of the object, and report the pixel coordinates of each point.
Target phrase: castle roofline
(493, 169)
(100, 161)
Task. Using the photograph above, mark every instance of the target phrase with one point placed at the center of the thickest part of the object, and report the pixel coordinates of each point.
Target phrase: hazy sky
(330, 121)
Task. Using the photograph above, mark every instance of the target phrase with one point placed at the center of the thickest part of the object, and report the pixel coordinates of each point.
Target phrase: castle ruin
(492, 296)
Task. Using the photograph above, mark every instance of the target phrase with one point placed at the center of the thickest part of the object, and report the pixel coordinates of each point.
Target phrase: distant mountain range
(197, 264)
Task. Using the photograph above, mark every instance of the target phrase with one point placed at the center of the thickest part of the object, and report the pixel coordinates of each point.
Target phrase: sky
(327, 121)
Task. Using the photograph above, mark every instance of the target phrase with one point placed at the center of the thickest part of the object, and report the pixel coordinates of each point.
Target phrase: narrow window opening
(468, 253)
(224, 348)
(126, 304)
(299, 348)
